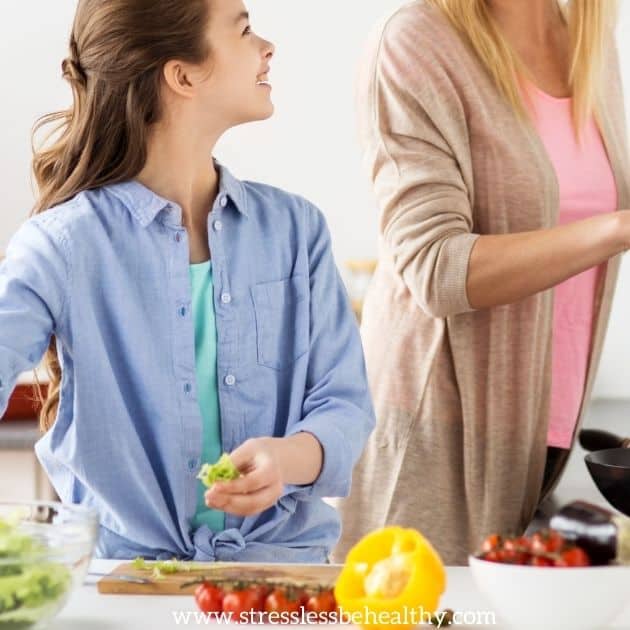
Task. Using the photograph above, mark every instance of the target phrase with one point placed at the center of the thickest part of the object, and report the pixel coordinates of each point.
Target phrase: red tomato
(491, 543)
(304, 597)
(573, 557)
(547, 541)
(322, 604)
(492, 556)
(209, 598)
(522, 543)
(259, 593)
(241, 603)
(278, 602)
(555, 541)
(512, 556)
(541, 561)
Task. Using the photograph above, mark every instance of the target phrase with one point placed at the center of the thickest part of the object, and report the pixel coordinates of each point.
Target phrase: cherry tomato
(322, 604)
(491, 543)
(304, 597)
(573, 557)
(492, 556)
(242, 602)
(547, 541)
(209, 598)
(259, 594)
(512, 556)
(541, 561)
(278, 602)
(538, 542)
(555, 541)
(522, 543)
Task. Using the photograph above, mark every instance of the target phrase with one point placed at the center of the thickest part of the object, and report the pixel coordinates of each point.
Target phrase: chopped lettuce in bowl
(45, 549)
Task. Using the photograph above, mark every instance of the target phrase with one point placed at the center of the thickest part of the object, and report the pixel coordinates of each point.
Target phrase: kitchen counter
(87, 609)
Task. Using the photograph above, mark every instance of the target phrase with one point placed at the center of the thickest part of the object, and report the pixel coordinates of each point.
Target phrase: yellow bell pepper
(392, 576)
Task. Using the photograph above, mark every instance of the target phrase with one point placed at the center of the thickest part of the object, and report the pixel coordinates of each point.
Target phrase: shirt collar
(233, 188)
(145, 205)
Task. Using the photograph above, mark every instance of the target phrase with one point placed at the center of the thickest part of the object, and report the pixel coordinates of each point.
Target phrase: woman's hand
(266, 464)
(261, 482)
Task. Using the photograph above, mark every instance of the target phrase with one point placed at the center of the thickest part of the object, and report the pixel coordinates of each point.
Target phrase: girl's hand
(261, 483)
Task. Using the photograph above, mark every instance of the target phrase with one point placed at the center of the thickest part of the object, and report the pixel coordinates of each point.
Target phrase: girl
(494, 133)
(192, 312)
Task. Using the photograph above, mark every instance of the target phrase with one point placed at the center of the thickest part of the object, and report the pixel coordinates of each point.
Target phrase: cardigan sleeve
(410, 118)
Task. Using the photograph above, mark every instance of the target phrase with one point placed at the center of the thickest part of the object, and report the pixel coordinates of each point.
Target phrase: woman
(493, 131)
(182, 301)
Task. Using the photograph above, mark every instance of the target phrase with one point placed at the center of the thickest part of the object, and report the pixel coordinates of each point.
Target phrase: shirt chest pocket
(282, 321)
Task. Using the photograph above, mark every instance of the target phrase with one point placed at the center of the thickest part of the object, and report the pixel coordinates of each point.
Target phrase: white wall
(613, 379)
(308, 147)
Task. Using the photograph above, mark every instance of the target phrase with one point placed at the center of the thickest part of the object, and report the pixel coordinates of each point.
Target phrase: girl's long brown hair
(117, 51)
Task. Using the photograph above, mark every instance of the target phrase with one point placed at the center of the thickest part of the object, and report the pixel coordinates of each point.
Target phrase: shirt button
(218, 226)
(223, 201)
(178, 237)
(230, 380)
(182, 311)
(226, 298)
(192, 463)
(187, 388)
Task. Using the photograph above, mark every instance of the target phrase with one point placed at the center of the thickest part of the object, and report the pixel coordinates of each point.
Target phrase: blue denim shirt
(108, 274)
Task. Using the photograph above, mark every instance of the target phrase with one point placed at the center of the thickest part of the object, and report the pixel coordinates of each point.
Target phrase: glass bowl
(45, 550)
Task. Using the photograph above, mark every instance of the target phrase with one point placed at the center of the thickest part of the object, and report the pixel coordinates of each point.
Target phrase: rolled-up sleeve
(33, 286)
(337, 407)
(410, 120)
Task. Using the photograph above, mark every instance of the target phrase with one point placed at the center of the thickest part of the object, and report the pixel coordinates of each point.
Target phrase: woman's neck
(535, 21)
(537, 32)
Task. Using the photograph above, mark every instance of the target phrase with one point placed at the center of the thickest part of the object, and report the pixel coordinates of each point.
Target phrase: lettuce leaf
(222, 470)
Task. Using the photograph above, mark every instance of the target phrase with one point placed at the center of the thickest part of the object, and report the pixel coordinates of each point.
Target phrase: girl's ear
(176, 78)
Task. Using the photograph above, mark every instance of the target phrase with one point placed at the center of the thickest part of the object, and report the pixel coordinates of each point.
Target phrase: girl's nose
(268, 50)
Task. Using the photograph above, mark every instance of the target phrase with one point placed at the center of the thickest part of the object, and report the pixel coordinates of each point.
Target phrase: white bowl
(553, 597)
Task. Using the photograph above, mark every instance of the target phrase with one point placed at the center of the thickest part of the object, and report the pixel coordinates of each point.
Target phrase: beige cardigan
(461, 396)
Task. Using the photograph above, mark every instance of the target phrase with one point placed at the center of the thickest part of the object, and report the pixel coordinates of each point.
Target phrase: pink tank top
(587, 188)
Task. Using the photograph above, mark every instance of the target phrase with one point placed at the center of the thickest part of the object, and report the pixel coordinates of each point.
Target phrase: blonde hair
(589, 23)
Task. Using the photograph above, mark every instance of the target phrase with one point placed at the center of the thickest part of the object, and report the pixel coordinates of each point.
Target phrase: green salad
(222, 470)
(29, 588)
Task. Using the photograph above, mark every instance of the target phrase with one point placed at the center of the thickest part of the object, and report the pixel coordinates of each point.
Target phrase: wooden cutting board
(309, 575)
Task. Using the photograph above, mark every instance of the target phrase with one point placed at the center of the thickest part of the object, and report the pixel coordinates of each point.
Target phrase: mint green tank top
(207, 385)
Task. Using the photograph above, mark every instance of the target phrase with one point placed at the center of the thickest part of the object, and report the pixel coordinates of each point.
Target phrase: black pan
(609, 467)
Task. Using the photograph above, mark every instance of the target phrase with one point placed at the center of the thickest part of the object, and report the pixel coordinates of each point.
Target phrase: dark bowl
(610, 470)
